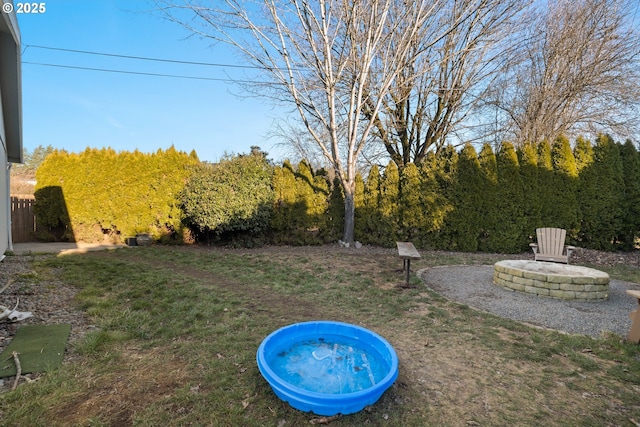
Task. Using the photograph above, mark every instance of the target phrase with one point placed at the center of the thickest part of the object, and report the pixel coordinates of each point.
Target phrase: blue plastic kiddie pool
(327, 367)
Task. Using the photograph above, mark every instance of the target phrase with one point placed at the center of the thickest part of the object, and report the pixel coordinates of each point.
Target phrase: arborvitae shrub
(630, 224)
(508, 234)
(546, 181)
(335, 211)
(487, 198)
(50, 205)
(230, 198)
(563, 202)
(583, 153)
(304, 207)
(445, 166)
(435, 201)
(465, 218)
(601, 196)
(283, 216)
(562, 157)
(369, 231)
(321, 225)
(412, 204)
(389, 205)
(454, 201)
(528, 160)
(114, 195)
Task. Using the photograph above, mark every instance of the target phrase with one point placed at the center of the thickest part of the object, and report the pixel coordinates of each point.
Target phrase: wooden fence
(23, 221)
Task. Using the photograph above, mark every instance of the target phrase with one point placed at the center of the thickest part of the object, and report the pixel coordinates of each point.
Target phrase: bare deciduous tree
(331, 59)
(580, 73)
(456, 60)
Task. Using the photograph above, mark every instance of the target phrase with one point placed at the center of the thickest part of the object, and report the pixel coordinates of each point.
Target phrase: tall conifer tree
(528, 159)
(466, 219)
(583, 153)
(509, 235)
(412, 203)
(489, 219)
(370, 232)
(564, 203)
(445, 166)
(436, 199)
(284, 187)
(389, 204)
(601, 197)
(545, 182)
(630, 229)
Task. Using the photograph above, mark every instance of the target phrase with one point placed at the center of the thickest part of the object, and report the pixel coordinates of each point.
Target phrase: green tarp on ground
(40, 348)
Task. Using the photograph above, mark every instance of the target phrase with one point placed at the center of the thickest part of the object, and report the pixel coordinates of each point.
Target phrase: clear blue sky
(74, 109)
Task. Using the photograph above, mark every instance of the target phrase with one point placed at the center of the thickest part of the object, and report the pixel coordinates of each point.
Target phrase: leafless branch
(579, 74)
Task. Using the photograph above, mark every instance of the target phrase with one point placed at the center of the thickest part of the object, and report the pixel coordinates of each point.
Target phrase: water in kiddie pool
(331, 366)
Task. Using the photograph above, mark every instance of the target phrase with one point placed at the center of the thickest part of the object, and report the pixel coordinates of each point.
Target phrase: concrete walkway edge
(61, 248)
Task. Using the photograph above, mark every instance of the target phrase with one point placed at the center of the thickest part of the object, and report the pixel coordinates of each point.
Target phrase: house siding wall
(4, 196)
(10, 115)
(5, 221)
(3, 135)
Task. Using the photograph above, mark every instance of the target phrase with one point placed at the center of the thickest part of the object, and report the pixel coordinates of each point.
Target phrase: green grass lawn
(178, 330)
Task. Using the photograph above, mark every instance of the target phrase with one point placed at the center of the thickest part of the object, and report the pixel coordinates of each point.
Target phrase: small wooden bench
(407, 252)
(634, 332)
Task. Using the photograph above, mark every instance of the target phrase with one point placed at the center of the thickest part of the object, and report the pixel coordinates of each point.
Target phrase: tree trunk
(349, 216)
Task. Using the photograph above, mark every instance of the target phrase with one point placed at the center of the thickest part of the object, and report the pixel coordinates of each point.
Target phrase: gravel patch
(473, 286)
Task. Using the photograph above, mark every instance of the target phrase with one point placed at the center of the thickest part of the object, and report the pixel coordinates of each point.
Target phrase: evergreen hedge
(368, 216)
(531, 189)
(465, 220)
(101, 193)
(412, 214)
(489, 215)
(229, 199)
(455, 200)
(601, 194)
(304, 205)
(563, 201)
(509, 234)
(468, 201)
(389, 205)
(630, 204)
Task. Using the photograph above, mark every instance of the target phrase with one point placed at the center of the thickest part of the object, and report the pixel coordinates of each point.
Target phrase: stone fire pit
(570, 282)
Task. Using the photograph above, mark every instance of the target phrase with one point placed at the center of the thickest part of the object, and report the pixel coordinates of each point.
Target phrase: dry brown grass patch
(138, 379)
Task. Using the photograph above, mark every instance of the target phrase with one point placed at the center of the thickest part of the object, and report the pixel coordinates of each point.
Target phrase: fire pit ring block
(562, 281)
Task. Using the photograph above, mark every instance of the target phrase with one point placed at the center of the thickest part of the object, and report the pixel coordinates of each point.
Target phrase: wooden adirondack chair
(550, 246)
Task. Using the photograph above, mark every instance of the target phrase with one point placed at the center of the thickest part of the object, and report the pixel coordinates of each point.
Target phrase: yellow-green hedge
(101, 193)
